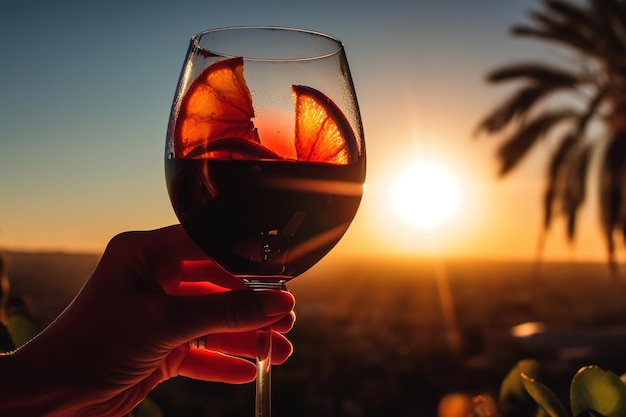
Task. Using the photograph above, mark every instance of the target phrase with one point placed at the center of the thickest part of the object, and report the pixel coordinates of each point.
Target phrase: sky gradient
(87, 88)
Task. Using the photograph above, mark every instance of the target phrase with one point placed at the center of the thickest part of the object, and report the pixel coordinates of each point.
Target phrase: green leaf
(512, 387)
(513, 398)
(594, 389)
(545, 398)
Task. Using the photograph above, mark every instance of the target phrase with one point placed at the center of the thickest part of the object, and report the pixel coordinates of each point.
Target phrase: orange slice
(323, 134)
(233, 148)
(217, 105)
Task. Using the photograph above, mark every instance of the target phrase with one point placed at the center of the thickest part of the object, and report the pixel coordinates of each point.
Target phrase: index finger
(174, 243)
(190, 270)
(200, 277)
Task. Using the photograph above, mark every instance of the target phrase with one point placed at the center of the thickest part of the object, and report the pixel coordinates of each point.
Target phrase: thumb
(230, 311)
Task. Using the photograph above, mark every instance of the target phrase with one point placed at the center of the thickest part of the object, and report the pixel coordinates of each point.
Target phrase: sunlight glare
(425, 195)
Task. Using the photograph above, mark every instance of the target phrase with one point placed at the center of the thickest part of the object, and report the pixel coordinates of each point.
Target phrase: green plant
(593, 392)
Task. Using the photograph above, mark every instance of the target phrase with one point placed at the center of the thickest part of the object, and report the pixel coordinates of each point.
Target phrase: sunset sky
(87, 88)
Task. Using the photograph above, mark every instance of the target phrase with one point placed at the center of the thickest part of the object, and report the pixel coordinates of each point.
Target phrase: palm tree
(581, 107)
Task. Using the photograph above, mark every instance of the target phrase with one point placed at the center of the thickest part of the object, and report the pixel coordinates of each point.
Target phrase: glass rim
(339, 45)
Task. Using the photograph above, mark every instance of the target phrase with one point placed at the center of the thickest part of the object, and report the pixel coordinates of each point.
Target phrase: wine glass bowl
(265, 154)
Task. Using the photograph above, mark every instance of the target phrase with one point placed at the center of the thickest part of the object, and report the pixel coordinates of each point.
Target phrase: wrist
(28, 386)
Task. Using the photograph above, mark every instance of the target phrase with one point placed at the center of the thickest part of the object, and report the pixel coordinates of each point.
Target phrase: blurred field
(374, 337)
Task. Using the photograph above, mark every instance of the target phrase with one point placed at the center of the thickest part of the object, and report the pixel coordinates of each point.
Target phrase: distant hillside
(50, 280)
(373, 333)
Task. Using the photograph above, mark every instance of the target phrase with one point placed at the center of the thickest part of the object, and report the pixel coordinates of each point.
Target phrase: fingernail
(277, 303)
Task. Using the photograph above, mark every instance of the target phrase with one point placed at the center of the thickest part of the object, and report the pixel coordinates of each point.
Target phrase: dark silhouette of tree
(582, 107)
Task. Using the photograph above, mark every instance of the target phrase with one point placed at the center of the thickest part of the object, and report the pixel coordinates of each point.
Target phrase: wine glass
(265, 156)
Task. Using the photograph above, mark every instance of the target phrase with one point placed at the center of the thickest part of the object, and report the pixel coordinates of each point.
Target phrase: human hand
(130, 326)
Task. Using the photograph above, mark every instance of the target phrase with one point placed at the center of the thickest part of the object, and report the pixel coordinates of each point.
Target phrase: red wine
(264, 218)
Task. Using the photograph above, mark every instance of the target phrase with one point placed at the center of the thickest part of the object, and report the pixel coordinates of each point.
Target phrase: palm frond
(552, 185)
(539, 73)
(576, 166)
(611, 193)
(593, 109)
(573, 25)
(611, 17)
(517, 146)
(614, 10)
(518, 104)
(573, 15)
(597, 31)
(560, 33)
(575, 187)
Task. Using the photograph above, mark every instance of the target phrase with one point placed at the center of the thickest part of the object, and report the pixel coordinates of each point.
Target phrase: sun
(425, 195)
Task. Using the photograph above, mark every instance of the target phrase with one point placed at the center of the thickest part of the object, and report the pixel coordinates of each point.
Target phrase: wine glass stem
(263, 402)
(263, 382)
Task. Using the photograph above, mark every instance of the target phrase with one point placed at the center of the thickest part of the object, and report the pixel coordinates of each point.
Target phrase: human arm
(129, 329)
